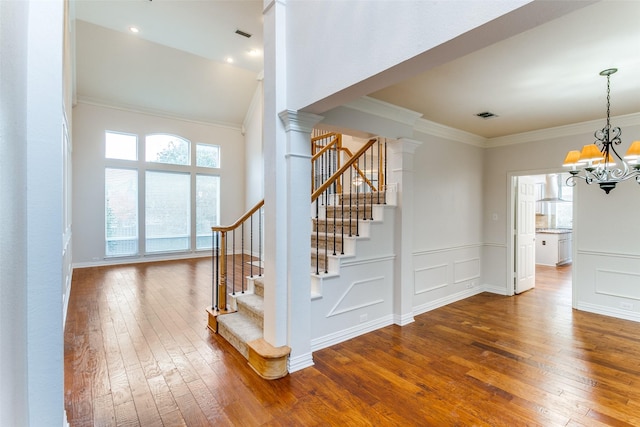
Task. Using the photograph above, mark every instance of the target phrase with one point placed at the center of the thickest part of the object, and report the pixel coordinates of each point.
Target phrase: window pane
(167, 209)
(121, 146)
(207, 209)
(121, 212)
(207, 156)
(169, 149)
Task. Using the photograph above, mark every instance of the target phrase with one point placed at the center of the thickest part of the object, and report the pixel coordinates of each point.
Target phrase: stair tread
(253, 302)
(241, 325)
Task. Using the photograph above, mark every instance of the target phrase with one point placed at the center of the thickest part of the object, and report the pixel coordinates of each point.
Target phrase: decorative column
(287, 195)
(401, 165)
(298, 127)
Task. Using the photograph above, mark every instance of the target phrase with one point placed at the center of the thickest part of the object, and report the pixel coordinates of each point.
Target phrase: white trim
(608, 311)
(299, 362)
(144, 259)
(383, 109)
(449, 249)
(404, 319)
(449, 299)
(609, 254)
(561, 131)
(156, 113)
(428, 127)
(347, 334)
(495, 289)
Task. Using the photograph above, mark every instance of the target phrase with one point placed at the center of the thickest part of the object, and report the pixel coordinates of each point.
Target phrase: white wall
(396, 39)
(89, 125)
(254, 156)
(14, 406)
(32, 268)
(447, 226)
(606, 231)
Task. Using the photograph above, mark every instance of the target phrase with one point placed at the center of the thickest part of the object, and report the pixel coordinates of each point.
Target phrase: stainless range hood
(552, 186)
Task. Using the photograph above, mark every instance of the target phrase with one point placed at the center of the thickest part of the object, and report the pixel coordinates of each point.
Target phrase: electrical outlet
(363, 318)
(626, 306)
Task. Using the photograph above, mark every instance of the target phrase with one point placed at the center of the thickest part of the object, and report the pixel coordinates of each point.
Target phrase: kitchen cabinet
(553, 247)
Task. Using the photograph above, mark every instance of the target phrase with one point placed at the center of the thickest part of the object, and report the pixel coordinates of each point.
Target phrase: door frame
(511, 254)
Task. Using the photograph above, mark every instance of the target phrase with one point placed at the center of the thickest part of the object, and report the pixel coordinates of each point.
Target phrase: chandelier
(596, 163)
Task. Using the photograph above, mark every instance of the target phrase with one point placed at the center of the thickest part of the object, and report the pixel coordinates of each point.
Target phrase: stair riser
(364, 213)
(256, 316)
(369, 198)
(337, 228)
(232, 339)
(258, 287)
(328, 243)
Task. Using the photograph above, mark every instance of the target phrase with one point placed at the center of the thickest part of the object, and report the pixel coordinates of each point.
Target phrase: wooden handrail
(242, 219)
(325, 149)
(342, 169)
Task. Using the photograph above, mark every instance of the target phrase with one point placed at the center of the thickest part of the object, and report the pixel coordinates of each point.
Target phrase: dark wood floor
(137, 352)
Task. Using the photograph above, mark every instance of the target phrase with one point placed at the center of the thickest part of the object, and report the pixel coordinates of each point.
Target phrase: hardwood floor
(138, 353)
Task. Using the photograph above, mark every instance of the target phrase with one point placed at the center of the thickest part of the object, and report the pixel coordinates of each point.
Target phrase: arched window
(180, 200)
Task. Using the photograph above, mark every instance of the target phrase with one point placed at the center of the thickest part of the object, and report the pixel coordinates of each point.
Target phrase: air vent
(486, 115)
(242, 33)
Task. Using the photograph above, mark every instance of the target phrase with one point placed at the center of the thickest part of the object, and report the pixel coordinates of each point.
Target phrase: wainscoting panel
(358, 301)
(445, 275)
(465, 270)
(430, 278)
(622, 284)
(608, 283)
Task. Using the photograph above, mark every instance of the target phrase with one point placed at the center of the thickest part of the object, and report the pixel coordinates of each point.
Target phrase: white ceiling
(542, 78)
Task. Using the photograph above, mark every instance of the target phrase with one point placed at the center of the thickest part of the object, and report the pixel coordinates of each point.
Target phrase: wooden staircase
(242, 326)
(238, 316)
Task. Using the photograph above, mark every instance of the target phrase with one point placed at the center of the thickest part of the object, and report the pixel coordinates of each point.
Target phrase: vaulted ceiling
(176, 64)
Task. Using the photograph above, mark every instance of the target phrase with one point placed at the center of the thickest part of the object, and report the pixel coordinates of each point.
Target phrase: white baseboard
(608, 311)
(495, 289)
(432, 305)
(347, 334)
(300, 362)
(402, 320)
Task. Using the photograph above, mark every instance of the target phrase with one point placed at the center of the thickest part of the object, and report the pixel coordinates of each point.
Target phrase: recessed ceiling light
(228, 60)
(134, 30)
(252, 52)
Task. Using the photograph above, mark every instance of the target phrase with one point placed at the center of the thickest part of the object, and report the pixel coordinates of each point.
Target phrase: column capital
(404, 145)
(299, 121)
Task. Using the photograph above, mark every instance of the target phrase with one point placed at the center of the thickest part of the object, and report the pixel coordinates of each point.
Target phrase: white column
(401, 165)
(275, 174)
(287, 195)
(298, 127)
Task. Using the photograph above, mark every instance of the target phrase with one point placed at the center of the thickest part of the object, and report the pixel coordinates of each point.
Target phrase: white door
(525, 234)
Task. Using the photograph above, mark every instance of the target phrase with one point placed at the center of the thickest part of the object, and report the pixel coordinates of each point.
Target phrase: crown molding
(562, 131)
(157, 113)
(383, 109)
(441, 131)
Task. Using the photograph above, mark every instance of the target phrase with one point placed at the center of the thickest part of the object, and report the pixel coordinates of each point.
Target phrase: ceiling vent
(486, 115)
(243, 33)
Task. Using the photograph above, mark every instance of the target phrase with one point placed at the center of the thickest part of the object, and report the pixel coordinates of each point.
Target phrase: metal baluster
(364, 187)
(341, 215)
(317, 202)
(215, 267)
(385, 171)
(326, 235)
(251, 244)
(260, 264)
(242, 278)
(371, 180)
(233, 262)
